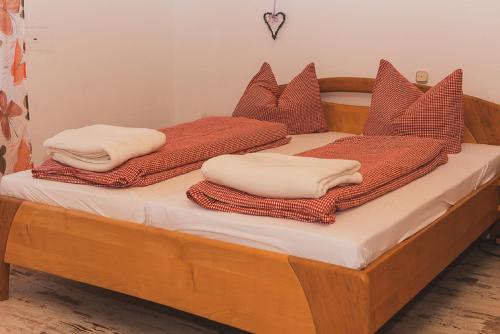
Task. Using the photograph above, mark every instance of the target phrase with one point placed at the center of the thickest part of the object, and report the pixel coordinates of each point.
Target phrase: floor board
(464, 299)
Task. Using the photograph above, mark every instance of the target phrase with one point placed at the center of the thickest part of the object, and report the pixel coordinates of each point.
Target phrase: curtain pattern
(15, 146)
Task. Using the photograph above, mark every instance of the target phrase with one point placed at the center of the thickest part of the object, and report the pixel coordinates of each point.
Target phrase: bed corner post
(339, 298)
(8, 209)
(4, 281)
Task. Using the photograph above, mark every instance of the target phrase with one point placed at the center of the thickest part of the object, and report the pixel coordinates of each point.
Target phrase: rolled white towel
(100, 148)
(281, 176)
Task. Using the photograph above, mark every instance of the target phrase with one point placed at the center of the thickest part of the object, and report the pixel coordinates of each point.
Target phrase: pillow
(392, 95)
(399, 108)
(298, 106)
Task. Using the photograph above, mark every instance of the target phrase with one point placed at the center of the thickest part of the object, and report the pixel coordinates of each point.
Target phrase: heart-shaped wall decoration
(274, 22)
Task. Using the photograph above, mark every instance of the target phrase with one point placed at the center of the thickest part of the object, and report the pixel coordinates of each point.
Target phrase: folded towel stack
(274, 175)
(100, 148)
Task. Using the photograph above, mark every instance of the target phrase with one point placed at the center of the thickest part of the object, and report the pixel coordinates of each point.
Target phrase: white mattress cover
(357, 238)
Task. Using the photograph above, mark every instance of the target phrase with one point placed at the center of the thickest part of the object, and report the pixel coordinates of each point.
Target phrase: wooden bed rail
(352, 85)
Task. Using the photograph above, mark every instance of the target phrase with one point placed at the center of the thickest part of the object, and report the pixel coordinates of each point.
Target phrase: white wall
(219, 46)
(155, 62)
(98, 61)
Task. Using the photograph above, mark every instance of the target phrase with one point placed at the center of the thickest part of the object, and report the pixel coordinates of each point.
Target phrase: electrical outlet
(422, 77)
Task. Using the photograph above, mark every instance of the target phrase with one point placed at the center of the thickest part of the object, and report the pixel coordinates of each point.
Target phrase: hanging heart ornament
(274, 22)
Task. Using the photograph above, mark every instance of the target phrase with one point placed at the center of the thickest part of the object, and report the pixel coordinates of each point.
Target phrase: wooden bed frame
(255, 290)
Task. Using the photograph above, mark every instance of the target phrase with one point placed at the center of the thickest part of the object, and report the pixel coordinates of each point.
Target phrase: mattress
(358, 237)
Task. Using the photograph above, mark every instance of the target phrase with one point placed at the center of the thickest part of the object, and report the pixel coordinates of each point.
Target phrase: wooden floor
(464, 299)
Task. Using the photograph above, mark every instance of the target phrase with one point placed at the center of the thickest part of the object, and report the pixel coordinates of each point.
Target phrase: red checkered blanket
(387, 163)
(188, 145)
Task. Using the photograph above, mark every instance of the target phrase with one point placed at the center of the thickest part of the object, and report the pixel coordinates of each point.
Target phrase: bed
(165, 249)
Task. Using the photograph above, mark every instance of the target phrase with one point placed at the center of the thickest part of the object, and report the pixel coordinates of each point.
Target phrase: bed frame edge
(339, 298)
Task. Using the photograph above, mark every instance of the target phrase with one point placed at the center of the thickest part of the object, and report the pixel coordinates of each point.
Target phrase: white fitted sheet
(357, 238)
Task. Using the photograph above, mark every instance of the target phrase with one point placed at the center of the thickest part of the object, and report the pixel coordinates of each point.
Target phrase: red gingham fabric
(437, 114)
(188, 145)
(392, 95)
(399, 108)
(298, 106)
(387, 163)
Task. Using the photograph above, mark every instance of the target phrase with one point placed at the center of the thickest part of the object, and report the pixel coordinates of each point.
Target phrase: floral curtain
(15, 146)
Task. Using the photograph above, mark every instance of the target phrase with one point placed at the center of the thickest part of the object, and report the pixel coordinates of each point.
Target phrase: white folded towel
(280, 176)
(100, 147)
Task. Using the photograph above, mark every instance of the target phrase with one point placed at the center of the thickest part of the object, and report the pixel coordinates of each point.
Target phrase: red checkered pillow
(400, 108)
(392, 95)
(298, 106)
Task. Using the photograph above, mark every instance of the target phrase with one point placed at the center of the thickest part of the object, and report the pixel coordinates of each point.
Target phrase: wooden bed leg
(4, 281)
(338, 297)
(8, 209)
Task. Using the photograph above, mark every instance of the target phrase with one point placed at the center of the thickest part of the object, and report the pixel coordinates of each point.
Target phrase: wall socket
(422, 77)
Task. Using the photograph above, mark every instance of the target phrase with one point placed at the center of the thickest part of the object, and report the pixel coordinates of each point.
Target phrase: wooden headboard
(482, 118)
